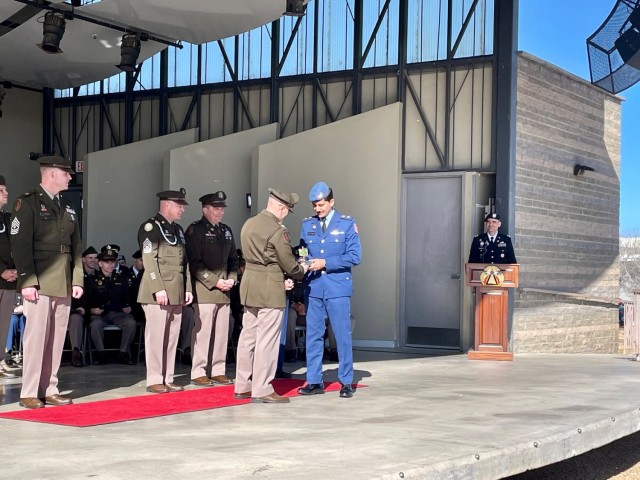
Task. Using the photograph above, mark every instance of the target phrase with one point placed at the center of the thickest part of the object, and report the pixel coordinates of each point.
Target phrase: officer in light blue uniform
(333, 244)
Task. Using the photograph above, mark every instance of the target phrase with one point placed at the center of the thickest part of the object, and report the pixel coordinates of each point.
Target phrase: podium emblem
(492, 276)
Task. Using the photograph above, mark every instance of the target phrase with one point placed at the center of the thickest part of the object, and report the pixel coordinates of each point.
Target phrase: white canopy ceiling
(90, 51)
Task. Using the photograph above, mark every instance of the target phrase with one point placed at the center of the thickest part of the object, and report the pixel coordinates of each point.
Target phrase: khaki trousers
(161, 334)
(211, 335)
(44, 335)
(258, 349)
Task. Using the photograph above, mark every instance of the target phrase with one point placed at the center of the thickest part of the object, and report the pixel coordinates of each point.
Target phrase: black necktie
(324, 224)
(56, 201)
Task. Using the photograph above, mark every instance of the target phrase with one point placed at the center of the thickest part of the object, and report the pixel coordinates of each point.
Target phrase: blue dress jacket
(339, 246)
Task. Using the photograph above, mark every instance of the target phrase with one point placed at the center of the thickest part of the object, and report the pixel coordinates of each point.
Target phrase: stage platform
(420, 417)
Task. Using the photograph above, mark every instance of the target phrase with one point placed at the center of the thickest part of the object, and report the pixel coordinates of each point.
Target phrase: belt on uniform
(46, 247)
(274, 267)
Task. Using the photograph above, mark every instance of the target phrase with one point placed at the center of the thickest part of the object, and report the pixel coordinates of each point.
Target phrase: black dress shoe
(346, 391)
(123, 358)
(76, 358)
(282, 374)
(312, 389)
(97, 358)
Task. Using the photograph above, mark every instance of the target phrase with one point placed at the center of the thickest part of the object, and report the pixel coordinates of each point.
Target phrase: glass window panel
(384, 50)
(214, 69)
(300, 58)
(183, 65)
(336, 27)
(116, 84)
(149, 76)
(255, 53)
(427, 31)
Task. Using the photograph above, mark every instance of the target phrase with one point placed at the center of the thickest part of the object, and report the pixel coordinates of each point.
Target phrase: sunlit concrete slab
(418, 417)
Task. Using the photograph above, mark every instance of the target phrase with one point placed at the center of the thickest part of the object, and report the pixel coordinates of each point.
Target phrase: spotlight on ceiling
(129, 52)
(53, 28)
(295, 8)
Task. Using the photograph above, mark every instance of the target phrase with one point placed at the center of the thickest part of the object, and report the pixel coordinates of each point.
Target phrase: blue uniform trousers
(339, 312)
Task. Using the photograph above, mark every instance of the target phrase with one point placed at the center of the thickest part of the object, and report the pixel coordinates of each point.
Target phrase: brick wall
(566, 230)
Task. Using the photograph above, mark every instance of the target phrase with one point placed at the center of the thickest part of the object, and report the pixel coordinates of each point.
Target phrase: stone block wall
(567, 226)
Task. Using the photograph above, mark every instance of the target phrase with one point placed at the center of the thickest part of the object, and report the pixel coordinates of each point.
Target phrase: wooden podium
(491, 283)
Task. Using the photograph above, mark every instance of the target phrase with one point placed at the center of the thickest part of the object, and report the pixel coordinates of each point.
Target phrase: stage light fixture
(129, 52)
(53, 27)
(295, 8)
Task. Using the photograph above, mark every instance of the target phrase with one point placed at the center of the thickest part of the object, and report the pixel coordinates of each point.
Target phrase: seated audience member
(134, 275)
(108, 302)
(89, 261)
(78, 311)
(16, 331)
(121, 263)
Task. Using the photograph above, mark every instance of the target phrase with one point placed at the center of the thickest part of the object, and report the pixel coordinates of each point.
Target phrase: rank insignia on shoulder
(15, 226)
(148, 227)
(146, 246)
(17, 205)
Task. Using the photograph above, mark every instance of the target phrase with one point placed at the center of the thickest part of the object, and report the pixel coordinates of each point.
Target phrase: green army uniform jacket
(266, 249)
(212, 255)
(165, 261)
(6, 262)
(45, 244)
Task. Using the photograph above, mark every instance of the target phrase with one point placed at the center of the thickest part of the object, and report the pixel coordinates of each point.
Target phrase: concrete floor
(420, 417)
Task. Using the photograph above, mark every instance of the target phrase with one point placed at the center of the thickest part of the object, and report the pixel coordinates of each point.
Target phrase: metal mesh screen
(608, 69)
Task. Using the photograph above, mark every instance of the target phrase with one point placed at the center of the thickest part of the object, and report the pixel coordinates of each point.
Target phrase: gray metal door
(432, 279)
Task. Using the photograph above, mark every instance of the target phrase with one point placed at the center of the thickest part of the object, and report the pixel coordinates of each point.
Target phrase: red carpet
(147, 406)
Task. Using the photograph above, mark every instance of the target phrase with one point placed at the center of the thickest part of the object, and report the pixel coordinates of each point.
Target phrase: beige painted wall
(220, 164)
(120, 186)
(20, 133)
(359, 158)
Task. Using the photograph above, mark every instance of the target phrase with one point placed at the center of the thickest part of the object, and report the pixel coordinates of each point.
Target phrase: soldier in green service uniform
(45, 242)
(164, 289)
(8, 274)
(266, 248)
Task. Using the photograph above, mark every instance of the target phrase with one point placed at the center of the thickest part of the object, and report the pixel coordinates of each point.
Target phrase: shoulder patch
(148, 227)
(17, 205)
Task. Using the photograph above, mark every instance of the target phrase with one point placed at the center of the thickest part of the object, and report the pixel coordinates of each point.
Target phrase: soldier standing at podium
(492, 246)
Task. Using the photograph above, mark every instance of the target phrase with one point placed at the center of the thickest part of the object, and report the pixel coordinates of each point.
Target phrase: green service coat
(45, 244)
(267, 251)
(165, 261)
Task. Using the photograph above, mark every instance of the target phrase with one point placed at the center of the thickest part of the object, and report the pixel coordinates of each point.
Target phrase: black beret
(2, 180)
(137, 254)
(494, 215)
